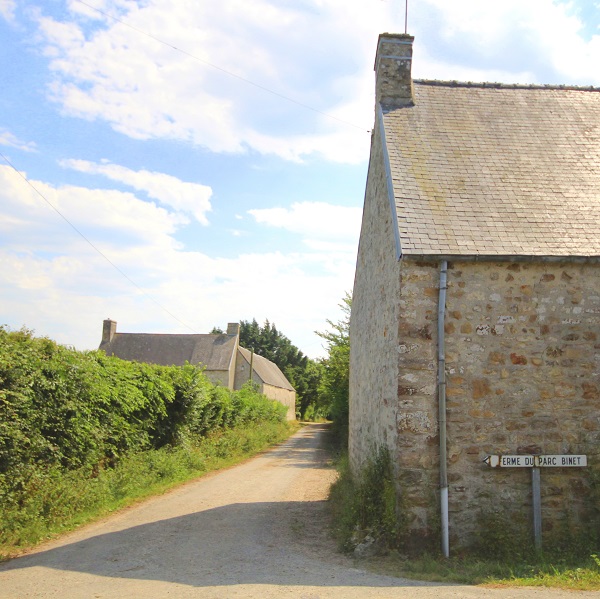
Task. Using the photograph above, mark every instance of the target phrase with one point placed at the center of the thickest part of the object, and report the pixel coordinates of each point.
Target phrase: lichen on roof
(496, 170)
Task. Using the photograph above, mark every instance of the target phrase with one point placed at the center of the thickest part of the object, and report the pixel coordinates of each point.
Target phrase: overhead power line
(218, 68)
(96, 249)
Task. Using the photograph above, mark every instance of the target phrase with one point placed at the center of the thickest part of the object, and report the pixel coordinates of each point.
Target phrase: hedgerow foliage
(61, 408)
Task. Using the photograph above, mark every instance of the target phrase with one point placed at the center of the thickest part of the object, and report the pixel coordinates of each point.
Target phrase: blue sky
(224, 177)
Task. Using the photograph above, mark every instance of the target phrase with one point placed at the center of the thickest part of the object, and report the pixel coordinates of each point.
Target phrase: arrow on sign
(536, 461)
(492, 460)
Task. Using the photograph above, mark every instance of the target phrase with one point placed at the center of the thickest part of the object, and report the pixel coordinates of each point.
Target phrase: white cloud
(428, 67)
(190, 198)
(331, 247)
(7, 9)
(29, 217)
(317, 53)
(314, 220)
(491, 23)
(10, 140)
(51, 280)
(535, 41)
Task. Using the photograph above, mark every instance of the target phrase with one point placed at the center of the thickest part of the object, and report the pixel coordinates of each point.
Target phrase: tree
(306, 382)
(334, 387)
(303, 373)
(268, 342)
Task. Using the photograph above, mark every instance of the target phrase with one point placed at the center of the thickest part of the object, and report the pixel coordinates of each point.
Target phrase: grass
(574, 574)
(56, 502)
(361, 507)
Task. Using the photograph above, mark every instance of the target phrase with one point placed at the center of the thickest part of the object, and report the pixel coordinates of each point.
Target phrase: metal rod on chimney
(406, 16)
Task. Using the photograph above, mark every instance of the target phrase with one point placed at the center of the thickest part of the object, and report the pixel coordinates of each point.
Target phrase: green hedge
(68, 409)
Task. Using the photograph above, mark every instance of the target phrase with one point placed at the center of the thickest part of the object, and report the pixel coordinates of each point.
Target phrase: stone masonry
(523, 368)
(374, 383)
(501, 182)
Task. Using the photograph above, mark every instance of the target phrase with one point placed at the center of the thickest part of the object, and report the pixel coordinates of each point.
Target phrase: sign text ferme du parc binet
(536, 461)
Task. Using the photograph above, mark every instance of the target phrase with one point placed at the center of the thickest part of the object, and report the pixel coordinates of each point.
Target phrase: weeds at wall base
(366, 508)
(503, 556)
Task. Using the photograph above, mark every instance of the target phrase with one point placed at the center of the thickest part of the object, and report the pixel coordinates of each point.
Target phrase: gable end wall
(283, 396)
(373, 322)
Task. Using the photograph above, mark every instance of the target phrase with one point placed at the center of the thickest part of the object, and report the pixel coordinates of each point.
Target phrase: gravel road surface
(256, 530)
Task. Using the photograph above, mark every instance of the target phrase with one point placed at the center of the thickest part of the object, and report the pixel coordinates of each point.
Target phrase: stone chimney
(393, 79)
(109, 329)
(233, 328)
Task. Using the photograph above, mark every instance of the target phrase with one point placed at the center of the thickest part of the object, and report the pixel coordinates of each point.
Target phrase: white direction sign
(536, 461)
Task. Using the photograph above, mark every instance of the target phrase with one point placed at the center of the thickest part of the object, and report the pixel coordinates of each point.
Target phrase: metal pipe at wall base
(442, 407)
(444, 513)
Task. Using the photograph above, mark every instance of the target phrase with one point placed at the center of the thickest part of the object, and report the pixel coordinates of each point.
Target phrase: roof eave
(430, 257)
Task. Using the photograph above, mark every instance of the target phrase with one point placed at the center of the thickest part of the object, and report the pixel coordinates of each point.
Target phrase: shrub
(367, 505)
(68, 409)
(67, 415)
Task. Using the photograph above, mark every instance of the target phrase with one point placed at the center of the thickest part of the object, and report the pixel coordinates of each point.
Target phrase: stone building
(475, 320)
(225, 361)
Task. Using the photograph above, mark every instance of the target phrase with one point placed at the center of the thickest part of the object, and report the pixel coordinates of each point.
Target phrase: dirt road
(255, 530)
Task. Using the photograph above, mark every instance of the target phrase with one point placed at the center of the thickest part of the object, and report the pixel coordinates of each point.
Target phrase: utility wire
(39, 193)
(218, 68)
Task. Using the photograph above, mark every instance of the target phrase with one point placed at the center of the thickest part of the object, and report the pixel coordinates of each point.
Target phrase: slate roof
(268, 371)
(496, 170)
(214, 351)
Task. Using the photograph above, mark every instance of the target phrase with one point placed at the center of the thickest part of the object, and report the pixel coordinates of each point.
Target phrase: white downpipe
(442, 407)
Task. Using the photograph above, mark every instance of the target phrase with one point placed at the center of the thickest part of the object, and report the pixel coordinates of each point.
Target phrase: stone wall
(284, 396)
(374, 322)
(523, 367)
(219, 377)
(416, 418)
(242, 372)
(523, 363)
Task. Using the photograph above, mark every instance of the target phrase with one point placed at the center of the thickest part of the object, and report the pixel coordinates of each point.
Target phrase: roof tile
(497, 170)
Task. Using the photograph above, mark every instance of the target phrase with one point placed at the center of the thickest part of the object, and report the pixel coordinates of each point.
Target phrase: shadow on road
(282, 543)
(230, 545)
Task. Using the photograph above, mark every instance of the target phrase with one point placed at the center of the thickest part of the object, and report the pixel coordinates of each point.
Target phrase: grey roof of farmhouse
(496, 170)
(268, 371)
(213, 351)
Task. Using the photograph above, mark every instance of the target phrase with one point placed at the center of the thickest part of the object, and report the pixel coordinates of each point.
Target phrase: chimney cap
(399, 37)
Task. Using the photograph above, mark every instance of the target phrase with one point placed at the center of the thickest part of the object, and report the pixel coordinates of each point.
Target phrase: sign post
(535, 462)
(537, 507)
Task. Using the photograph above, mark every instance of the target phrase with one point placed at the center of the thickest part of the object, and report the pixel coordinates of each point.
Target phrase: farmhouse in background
(225, 362)
(477, 288)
